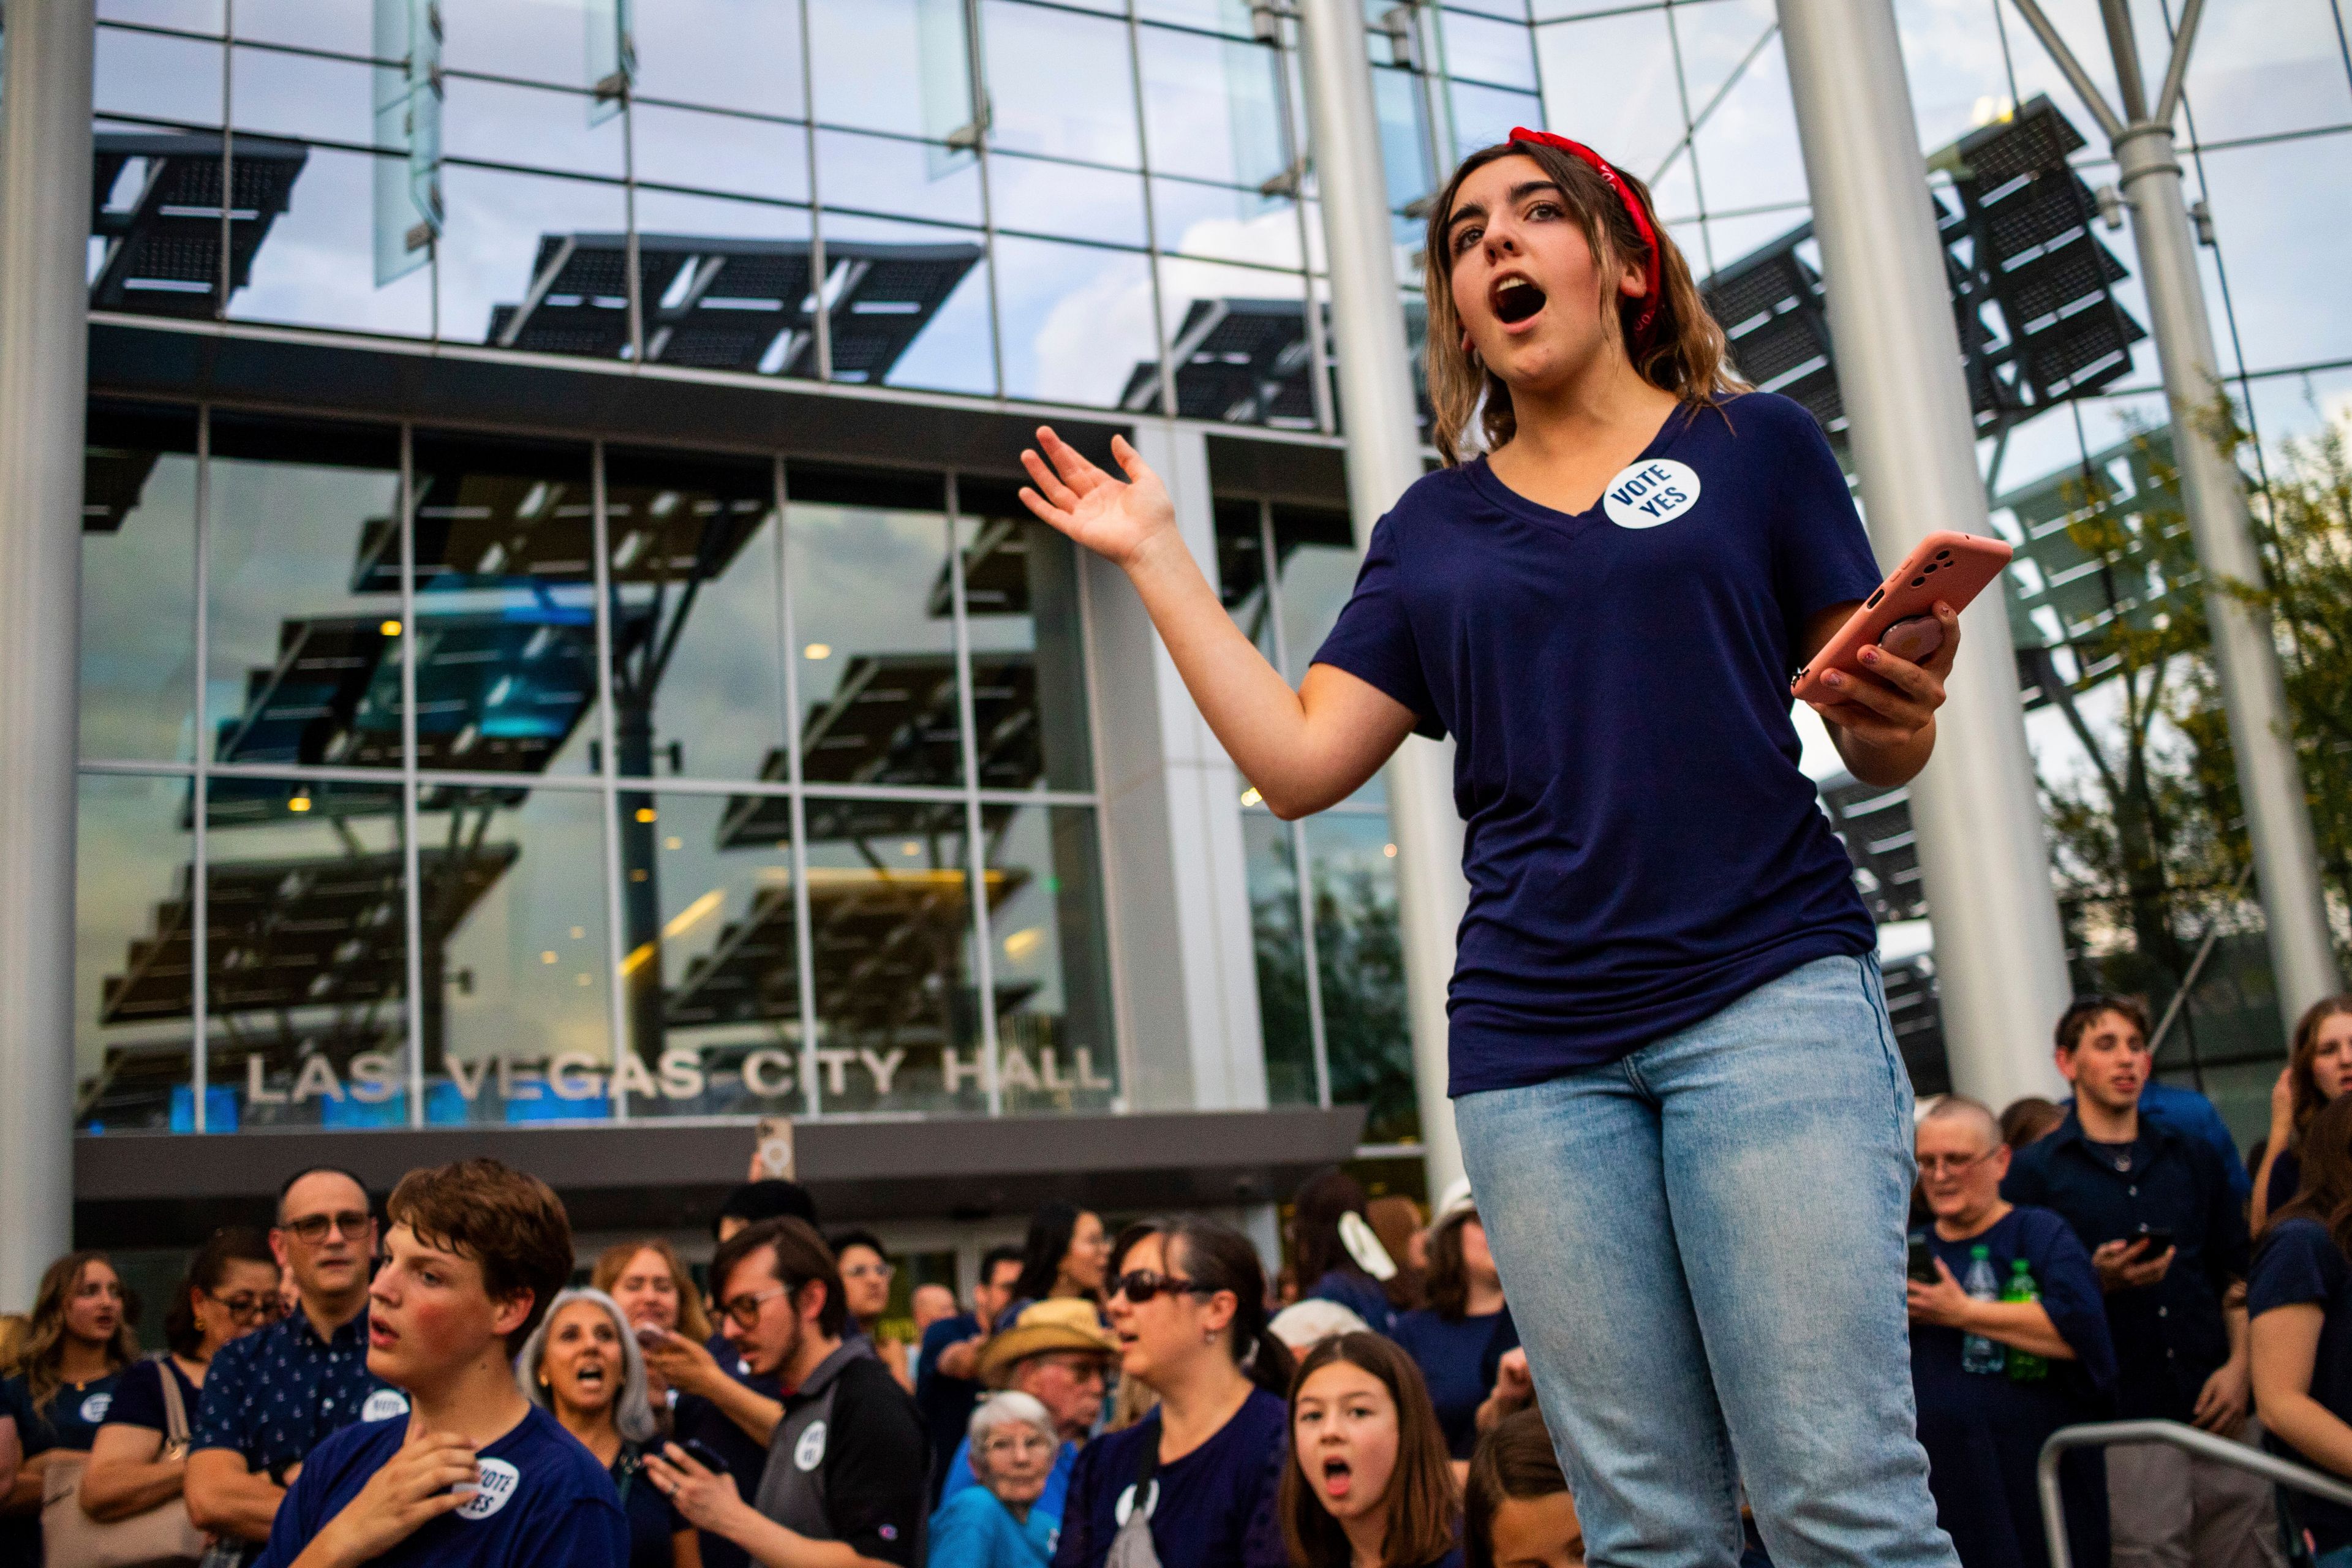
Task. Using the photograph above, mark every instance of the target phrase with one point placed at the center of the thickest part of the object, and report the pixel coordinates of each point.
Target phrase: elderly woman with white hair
(583, 1364)
(997, 1523)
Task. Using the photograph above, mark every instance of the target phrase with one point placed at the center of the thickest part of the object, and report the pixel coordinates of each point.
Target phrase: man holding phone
(2168, 1241)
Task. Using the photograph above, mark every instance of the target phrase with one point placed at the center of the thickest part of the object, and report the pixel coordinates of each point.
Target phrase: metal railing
(2204, 1444)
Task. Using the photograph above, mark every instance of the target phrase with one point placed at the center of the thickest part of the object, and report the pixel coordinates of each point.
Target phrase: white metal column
(2246, 652)
(44, 152)
(1999, 954)
(1383, 457)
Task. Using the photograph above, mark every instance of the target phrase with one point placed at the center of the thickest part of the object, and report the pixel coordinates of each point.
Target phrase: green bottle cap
(1980, 1251)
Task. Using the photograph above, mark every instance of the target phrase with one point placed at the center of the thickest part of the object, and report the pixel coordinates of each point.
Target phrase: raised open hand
(1117, 519)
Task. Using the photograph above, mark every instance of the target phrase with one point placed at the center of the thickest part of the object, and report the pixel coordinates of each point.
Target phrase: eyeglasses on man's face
(311, 1229)
(1930, 1164)
(744, 1309)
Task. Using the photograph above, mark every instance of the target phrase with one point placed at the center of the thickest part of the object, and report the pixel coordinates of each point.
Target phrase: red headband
(1616, 182)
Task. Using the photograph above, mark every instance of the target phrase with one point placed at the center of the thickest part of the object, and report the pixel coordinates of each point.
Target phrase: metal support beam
(2213, 493)
(1384, 458)
(44, 152)
(1999, 954)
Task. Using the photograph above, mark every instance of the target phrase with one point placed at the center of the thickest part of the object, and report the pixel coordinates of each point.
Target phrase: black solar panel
(156, 209)
(1243, 362)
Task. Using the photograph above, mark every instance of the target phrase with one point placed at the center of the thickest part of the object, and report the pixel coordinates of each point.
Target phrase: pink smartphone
(1953, 567)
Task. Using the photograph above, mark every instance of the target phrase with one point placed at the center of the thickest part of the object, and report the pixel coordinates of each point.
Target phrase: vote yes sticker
(94, 1408)
(809, 1452)
(497, 1487)
(1649, 494)
(383, 1405)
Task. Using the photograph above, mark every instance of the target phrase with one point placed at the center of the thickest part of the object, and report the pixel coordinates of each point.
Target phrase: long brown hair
(2304, 1052)
(42, 1361)
(1449, 1276)
(613, 1262)
(2325, 1194)
(1420, 1503)
(1685, 351)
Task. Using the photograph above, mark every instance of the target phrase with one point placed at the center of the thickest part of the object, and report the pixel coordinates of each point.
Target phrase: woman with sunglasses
(1201, 1473)
(229, 1290)
(1665, 1013)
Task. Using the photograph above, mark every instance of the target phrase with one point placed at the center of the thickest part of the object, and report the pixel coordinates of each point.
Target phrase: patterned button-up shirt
(274, 1394)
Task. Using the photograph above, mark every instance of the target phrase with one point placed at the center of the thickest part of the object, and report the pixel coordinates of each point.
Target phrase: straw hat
(1061, 1323)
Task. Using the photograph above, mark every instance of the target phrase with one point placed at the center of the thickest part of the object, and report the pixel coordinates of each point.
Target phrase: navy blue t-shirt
(1641, 845)
(654, 1520)
(946, 1402)
(2299, 1264)
(72, 1417)
(1453, 1357)
(544, 1502)
(139, 1397)
(1217, 1507)
(746, 1457)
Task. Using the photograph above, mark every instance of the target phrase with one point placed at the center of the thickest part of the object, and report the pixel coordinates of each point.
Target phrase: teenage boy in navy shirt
(2177, 1312)
(477, 1475)
(273, 1396)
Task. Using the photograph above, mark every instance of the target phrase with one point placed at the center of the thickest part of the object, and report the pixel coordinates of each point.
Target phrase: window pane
(726, 283)
(1360, 965)
(1397, 97)
(1028, 647)
(1078, 320)
(316, 266)
(500, 123)
(892, 65)
(2281, 253)
(139, 585)
(304, 611)
(1225, 223)
(1059, 84)
(506, 607)
(725, 153)
(534, 262)
(695, 557)
(1229, 16)
(152, 76)
(890, 918)
(1747, 151)
(1238, 338)
(1482, 50)
(308, 950)
(896, 178)
(304, 96)
(909, 304)
(540, 40)
(872, 617)
(1486, 115)
(1281, 960)
(189, 15)
(1066, 201)
(133, 927)
(2280, 68)
(1209, 108)
(1053, 980)
(516, 1027)
(1319, 566)
(346, 29)
(1611, 81)
(712, 956)
(728, 54)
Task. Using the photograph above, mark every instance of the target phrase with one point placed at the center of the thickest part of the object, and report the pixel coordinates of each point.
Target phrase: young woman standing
(1679, 1095)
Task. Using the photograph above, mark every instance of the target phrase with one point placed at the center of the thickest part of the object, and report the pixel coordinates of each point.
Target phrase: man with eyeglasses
(848, 1469)
(1994, 1378)
(276, 1394)
(1058, 1352)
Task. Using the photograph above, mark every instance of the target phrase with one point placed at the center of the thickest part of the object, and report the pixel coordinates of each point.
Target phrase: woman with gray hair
(997, 1523)
(583, 1364)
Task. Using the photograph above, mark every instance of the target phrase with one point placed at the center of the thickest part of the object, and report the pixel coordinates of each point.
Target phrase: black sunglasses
(1141, 1285)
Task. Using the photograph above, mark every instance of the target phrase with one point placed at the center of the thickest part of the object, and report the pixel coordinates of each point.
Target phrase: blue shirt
(746, 1456)
(1452, 1355)
(972, 1530)
(1984, 1431)
(2300, 1264)
(654, 1520)
(1641, 845)
(72, 1420)
(1215, 1507)
(274, 1395)
(544, 1500)
(139, 1397)
(2192, 1112)
(1054, 1500)
(1361, 1294)
(2170, 1336)
(946, 1402)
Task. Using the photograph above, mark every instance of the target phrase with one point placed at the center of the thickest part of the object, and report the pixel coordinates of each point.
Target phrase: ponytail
(1216, 1257)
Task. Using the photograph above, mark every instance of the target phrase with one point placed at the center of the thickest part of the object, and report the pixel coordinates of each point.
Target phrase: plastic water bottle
(1979, 1354)
(2023, 1366)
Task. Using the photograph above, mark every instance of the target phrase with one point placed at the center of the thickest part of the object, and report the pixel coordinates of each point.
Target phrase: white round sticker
(1126, 1504)
(497, 1485)
(1649, 494)
(383, 1405)
(94, 1408)
(809, 1452)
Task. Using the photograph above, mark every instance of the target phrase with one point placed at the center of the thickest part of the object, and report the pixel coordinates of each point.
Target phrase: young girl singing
(1678, 1092)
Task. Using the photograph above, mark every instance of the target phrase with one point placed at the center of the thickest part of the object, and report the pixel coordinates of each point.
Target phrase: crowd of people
(426, 1381)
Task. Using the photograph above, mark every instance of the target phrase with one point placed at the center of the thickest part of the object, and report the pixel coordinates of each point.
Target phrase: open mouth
(1337, 1478)
(592, 1375)
(1515, 300)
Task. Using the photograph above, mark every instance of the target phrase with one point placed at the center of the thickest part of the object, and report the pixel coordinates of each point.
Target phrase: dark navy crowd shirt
(946, 1402)
(747, 1458)
(1641, 845)
(139, 1397)
(1217, 1507)
(544, 1500)
(1452, 1353)
(274, 1395)
(2300, 1264)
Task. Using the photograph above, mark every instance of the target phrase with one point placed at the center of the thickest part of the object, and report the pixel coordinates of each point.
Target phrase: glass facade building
(560, 645)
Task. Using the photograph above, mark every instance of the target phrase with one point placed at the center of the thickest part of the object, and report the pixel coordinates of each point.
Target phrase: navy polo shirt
(2170, 1336)
(544, 1502)
(2300, 1264)
(946, 1402)
(276, 1394)
(1642, 848)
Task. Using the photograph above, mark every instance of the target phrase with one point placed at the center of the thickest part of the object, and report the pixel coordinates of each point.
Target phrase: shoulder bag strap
(175, 1403)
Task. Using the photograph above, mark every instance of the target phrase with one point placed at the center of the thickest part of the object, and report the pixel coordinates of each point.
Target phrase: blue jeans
(1703, 1248)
